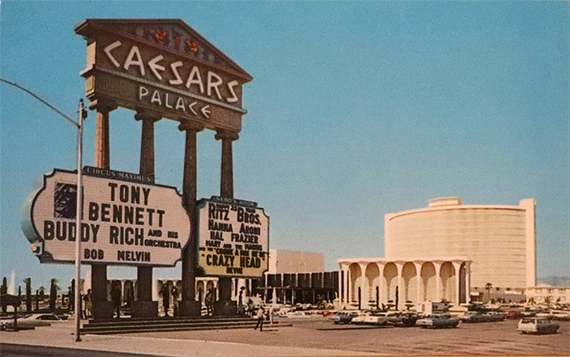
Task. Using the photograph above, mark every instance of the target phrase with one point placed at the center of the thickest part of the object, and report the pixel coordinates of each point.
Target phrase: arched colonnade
(367, 283)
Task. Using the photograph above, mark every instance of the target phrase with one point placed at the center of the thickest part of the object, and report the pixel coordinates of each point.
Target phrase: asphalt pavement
(58, 339)
(314, 336)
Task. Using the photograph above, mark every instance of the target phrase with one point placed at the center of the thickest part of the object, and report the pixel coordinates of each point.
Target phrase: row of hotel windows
(550, 291)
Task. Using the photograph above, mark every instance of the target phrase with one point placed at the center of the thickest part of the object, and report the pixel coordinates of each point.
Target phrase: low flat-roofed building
(291, 261)
(548, 294)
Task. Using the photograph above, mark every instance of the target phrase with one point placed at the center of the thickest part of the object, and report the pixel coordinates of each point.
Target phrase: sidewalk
(61, 334)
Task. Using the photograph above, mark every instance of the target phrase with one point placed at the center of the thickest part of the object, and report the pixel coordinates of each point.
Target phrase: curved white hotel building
(445, 251)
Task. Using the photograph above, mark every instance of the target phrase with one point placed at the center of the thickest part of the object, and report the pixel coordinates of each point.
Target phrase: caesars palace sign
(167, 69)
(163, 66)
(126, 219)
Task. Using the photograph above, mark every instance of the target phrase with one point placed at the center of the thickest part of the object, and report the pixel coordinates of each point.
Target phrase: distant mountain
(554, 280)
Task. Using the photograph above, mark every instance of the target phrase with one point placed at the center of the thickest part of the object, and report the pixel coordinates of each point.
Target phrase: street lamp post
(78, 213)
(79, 207)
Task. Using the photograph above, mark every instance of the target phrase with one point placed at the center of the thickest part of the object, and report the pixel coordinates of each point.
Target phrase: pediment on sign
(174, 34)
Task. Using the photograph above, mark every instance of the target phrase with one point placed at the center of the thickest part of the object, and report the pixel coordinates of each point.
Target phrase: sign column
(102, 309)
(144, 306)
(189, 306)
(225, 305)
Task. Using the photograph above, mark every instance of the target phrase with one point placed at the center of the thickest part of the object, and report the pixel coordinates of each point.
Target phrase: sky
(357, 109)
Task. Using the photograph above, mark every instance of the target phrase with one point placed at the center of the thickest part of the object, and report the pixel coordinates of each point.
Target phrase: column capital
(190, 126)
(102, 104)
(223, 134)
(144, 114)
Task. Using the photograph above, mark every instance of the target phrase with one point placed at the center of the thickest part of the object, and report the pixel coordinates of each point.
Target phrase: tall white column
(419, 283)
(457, 268)
(438, 288)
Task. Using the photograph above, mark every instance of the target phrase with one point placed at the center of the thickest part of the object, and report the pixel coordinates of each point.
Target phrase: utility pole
(79, 208)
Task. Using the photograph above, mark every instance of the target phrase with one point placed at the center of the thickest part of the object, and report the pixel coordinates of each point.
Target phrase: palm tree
(3, 291)
(488, 286)
(28, 282)
(53, 294)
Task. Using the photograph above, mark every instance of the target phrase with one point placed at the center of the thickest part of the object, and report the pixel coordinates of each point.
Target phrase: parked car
(359, 319)
(438, 321)
(343, 317)
(495, 316)
(537, 325)
(406, 319)
(560, 315)
(379, 318)
(513, 314)
(473, 316)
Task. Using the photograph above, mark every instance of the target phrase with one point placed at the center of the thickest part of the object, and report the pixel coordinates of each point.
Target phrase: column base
(144, 309)
(225, 308)
(102, 310)
(189, 308)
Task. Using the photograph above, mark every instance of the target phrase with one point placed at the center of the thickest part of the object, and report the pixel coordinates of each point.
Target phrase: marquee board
(126, 220)
(233, 237)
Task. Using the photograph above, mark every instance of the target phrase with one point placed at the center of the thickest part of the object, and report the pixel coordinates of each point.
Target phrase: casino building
(446, 251)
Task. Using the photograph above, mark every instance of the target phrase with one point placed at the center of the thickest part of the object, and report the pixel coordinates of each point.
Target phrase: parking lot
(489, 338)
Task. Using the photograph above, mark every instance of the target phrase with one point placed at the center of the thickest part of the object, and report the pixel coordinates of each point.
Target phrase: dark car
(407, 319)
(343, 317)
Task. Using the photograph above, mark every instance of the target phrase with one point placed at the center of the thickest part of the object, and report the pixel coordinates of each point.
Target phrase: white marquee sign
(126, 219)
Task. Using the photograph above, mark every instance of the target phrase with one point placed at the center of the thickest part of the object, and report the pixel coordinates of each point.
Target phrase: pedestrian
(260, 316)
(209, 300)
(165, 298)
(116, 297)
(175, 295)
(250, 307)
(87, 304)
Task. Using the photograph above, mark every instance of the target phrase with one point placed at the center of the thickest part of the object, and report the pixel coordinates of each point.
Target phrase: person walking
(165, 298)
(209, 300)
(87, 304)
(175, 295)
(116, 297)
(260, 316)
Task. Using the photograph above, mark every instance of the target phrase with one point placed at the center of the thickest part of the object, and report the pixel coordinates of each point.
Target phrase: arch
(409, 291)
(448, 281)
(200, 288)
(372, 281)
(428, 282)
(355, 273)
(211, 286)
(390, 281)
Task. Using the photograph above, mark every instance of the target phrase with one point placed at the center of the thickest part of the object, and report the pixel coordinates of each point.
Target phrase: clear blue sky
(357, 109)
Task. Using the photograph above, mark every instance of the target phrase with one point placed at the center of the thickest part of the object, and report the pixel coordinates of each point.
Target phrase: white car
(382, 318)
(537, 325)
(558, 315)
(438, 321)
(359, 319)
